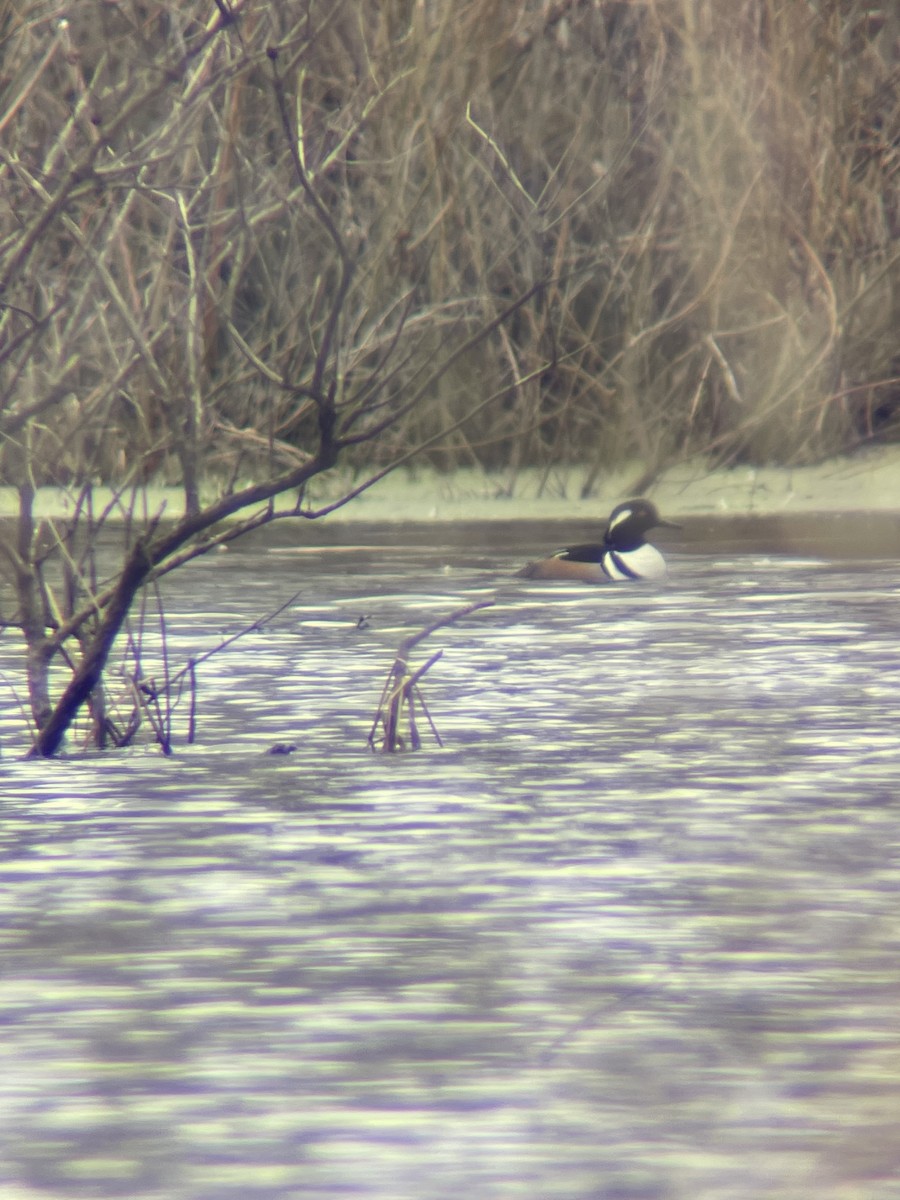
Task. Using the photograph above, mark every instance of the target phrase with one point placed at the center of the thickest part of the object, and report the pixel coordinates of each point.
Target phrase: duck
(623, 553)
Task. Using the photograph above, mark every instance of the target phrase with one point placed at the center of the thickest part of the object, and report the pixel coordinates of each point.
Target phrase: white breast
(646, 563)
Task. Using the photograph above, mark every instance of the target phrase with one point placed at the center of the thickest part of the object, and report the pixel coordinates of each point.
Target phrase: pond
(633, 933)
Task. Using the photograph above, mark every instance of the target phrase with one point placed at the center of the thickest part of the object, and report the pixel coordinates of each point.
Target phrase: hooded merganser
(623, 553)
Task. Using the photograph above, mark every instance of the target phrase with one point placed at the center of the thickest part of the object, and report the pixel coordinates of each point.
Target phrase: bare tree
(199, 282)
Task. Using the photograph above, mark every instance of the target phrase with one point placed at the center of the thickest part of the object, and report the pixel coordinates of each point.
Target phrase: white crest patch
(625, 515)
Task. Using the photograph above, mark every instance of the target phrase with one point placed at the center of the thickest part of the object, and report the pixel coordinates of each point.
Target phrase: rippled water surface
(632, 934)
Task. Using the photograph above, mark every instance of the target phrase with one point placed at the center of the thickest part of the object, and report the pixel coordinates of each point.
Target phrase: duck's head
(630, 520)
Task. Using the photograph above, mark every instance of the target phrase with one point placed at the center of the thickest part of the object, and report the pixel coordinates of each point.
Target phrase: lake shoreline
(868, 481)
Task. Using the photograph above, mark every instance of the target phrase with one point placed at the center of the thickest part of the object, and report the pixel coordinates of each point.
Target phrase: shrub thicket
(709, 193)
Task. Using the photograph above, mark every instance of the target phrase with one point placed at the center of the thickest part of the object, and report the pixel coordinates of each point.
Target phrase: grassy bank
(865, 482)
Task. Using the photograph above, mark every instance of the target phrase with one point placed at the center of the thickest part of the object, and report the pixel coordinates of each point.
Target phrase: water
(633, 934)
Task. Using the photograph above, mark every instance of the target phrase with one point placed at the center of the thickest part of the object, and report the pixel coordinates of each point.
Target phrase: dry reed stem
(401, 689)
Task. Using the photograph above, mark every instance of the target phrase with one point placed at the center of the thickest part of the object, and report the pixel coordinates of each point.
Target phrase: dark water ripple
(633, 934)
